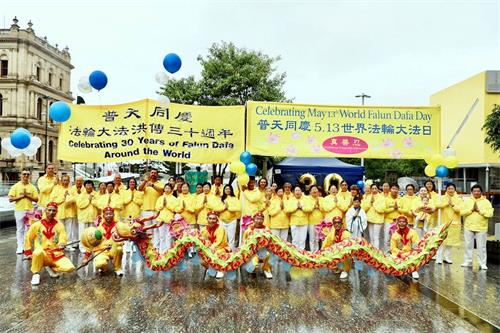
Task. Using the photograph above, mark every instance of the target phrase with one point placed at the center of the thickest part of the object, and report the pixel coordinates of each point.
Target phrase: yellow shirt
(434, 216)
(218, 241)
(188, 210)
(449, 213)
(86, 210)
(316, 215)
(298, 216)
(17, 189)
(150, 196)
(112, 200)
(233, 210)
(213, 203)
(330, 238)
(331, 207)
(421, 215)
(279, 218)
(45, 185)
(167, 205)
(406, 208)
(344, 201)
(397, 246)
(477, 221)
(132, 202)
(66, 207)
(390, 212)
(374, 212)
(45, 237)
(217, 190)
(252, 202)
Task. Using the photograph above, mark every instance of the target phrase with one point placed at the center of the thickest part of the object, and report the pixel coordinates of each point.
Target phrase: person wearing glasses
(23, 193)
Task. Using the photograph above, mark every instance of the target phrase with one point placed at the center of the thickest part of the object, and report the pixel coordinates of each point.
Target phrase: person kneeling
(337, 235)
(49, 239)
(403, 240)
(258, 224)
(216, 236)
(108, 249)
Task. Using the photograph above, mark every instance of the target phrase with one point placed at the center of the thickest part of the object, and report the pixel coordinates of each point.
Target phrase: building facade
(33, 75)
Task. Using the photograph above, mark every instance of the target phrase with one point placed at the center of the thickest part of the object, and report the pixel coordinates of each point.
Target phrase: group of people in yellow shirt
(281, 208)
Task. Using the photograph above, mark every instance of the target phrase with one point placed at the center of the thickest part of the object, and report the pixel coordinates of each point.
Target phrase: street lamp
(46, 98)
(363, 96)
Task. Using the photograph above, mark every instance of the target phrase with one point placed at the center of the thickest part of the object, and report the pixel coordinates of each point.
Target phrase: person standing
(152, 189)
(315, 217)
(112, 199)
(207, 202)
(393, 205)
(86, 209)
(422, 210)
(229, 216)
(46, 184)
(23, 193)
(279, 219)
(356, 218)
(132, 202)
(476, 211)
(167, 205)
(298, 207)
(187, 205)
(217, 188)
(374, 207)
(66, 210)
(408, 200)
(450, 204)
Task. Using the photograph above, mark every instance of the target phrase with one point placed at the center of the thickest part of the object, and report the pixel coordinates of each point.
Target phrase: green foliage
(376, 168)
(183, 91)
(492, 129)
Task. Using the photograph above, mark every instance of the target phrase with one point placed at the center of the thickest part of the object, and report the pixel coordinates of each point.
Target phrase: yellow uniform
(390, 212)
(66, 207)
(252, 202)
(233, 210)
(132, 203)
(374, 211)
(336, 237)
(187, 207)
(45, 185)
(213, 203)
(217, 190)
(316, 215)
(150, 196)
(476, 221)
(298, 216)
(451, 213)
(47, 238)
(403, 243)
(167, 205)
(18, 189)
(112, 200)
(114, 253)
(86, 210)
(407, 205)
(433, 220)
(217, 238)
(421, 216)
(255, 259)
(279, 218)
(331, 207)
(344, 201)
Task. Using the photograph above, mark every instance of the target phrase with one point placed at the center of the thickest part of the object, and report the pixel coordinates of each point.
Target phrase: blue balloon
(60, 111)
(251, 169)
(20, 138)
(172, 63)
(98, 80)
(361, 185)
(442, 171)
(246, 157)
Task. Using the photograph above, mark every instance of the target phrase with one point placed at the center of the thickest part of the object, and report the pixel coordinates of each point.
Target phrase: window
(60, 83)
(4, 68)
(38, 73)
(1, 105)
(38, 155)
(50, 79)
(51, 151)
(39, 108)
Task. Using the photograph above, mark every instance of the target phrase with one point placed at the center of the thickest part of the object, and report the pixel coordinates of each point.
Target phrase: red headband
(108, 209)
(337, 218)
(52, 204)
(402, 217)
(258, 214)
(213, 212)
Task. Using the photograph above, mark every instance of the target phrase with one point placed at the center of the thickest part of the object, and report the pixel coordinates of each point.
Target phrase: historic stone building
(33, 74)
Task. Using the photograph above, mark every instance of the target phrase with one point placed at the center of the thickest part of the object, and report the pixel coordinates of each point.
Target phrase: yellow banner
(280, 129)
(146, 130)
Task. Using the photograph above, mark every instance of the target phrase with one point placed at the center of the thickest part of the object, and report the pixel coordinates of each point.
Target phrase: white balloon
(84, 79)
(161, 78)
(36, 142)
(164, 101)
(14, 152)
(84, 87)
(30, 150)
(449, 152)
(6, 144)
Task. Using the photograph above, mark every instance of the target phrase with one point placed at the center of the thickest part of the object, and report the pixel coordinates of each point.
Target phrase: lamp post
(46, 98)
(363, 96)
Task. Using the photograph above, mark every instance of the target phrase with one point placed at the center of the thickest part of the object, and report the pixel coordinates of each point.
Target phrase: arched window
(1, 105)
(39, 108)
(51, 151)
(50, 119)
(38, 155)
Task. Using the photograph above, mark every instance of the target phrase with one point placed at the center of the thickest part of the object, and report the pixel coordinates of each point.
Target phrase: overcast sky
(399, 52)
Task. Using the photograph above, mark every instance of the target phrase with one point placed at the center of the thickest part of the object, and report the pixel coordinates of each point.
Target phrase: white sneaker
(268, 274)
(344, 275)
(51, 272)
(219, 275)
(466, 264)
(19, 251)
(35, 280)
(484, 267)
(415, 275)
(440, 262)
(448, 261)
(119, 272)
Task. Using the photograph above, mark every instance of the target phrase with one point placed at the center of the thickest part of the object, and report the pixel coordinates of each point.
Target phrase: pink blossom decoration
(273, 138)
(323, 229)
(387, 143)
(408, 142)
(311, 140)
(245, 222)
(291, 150)
(396, 153)
(295, 136)
(316, 149)
(177, 226)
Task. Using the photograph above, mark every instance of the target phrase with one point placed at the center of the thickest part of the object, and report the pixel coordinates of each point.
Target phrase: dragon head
(132, 229)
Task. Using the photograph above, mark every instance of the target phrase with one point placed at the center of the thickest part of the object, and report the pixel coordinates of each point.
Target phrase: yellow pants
(40, 259)
(265, 263)
(115, 254)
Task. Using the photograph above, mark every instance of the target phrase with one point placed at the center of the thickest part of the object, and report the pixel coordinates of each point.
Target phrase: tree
(492, 128)
(376, 168)
(230, 76)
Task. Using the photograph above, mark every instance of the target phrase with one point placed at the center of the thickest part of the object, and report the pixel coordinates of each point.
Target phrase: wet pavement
(298, 301)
